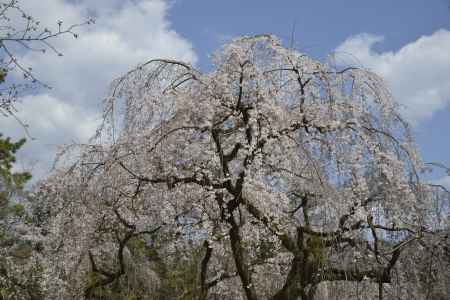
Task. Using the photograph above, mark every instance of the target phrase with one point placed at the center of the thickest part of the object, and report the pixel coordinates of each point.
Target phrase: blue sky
(407, 42)
(321, 25)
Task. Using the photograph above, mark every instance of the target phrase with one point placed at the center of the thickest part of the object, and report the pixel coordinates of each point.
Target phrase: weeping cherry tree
(286, 172)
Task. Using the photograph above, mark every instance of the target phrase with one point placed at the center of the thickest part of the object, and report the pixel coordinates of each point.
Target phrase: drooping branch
(204, 286)
(108, 277)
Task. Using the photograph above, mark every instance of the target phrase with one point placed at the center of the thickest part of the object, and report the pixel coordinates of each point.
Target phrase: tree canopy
(275, 175)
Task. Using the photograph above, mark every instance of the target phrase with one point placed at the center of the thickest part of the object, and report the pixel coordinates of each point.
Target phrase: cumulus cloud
(123, 36)
(52, 122)
(126, 33)
(418, 73)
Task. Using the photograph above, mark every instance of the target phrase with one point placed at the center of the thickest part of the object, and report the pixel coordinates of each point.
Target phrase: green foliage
(316, 249)
(10, 181)
(18, 210)
(4, 293)
(137, 246)
(183, 278)
(8, 151)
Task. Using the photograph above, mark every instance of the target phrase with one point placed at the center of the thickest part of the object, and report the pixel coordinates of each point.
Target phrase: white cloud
(52, 123)
(126, 33)
(123, 36)
(418, 73)
(51, 116)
